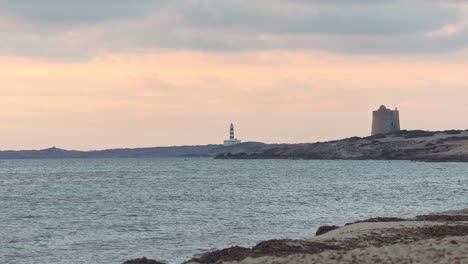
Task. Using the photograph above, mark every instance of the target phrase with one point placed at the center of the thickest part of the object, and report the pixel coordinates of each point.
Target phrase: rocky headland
(434, 238)
(416, 145)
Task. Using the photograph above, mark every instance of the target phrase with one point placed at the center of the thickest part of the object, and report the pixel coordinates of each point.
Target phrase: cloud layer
(69, 29)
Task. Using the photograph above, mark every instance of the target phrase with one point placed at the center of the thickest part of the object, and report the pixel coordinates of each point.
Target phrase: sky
(105, 74)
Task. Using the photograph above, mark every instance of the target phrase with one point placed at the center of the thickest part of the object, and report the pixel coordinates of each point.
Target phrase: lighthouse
(232, 139)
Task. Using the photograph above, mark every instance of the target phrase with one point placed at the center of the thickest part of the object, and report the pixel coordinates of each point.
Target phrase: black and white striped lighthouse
(231, 133)
(232, 138)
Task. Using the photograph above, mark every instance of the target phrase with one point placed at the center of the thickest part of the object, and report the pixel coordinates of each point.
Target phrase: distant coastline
(415, 145)
(154, 152)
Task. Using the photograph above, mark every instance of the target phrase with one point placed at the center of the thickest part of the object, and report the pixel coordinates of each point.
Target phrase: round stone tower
(385, 121)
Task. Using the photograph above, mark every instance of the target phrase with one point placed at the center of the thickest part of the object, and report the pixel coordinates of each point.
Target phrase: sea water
(112, 210)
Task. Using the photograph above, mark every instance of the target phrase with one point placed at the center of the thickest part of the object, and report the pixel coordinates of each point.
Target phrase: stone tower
(385, 121)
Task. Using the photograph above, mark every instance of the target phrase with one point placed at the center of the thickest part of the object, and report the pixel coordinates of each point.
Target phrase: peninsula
(416, 145)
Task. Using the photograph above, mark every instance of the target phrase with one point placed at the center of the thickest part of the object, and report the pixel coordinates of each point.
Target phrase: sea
(107, 211)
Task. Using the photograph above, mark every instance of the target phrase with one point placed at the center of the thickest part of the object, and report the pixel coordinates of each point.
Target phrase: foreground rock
(434, 238)
(402, 145)
(325, 229)
(335, 243)
(441, 251)
(277, 248)
(142, 261)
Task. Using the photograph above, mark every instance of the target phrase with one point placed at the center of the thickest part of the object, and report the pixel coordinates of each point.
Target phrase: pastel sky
(116, 73)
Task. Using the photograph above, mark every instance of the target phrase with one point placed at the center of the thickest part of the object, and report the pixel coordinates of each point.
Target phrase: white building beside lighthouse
(232, 139)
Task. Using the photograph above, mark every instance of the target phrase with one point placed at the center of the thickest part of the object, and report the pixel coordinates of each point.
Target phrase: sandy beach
(434, 238)
(445, 250)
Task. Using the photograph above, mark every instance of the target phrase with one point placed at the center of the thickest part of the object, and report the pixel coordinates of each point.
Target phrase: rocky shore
(434, 238)
(416, 145)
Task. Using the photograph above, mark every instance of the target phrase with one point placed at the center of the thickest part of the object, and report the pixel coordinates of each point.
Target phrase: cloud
(342, 19)
(69, 29)
(75, 12)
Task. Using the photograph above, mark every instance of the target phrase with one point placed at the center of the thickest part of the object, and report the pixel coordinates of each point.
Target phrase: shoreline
(386, 239)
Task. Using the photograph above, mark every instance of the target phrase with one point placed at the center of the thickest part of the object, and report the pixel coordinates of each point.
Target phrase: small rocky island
(416, 145)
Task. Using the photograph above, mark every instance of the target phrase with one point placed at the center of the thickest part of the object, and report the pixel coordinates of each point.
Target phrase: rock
(278, 248)
(142, 261)
(325, 229)
(442, 231)
(227, 254)
(379, 219)
(286, 247)
(448, 218)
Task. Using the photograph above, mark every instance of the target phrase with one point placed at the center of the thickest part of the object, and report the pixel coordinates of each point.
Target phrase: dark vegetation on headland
(417, 145)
